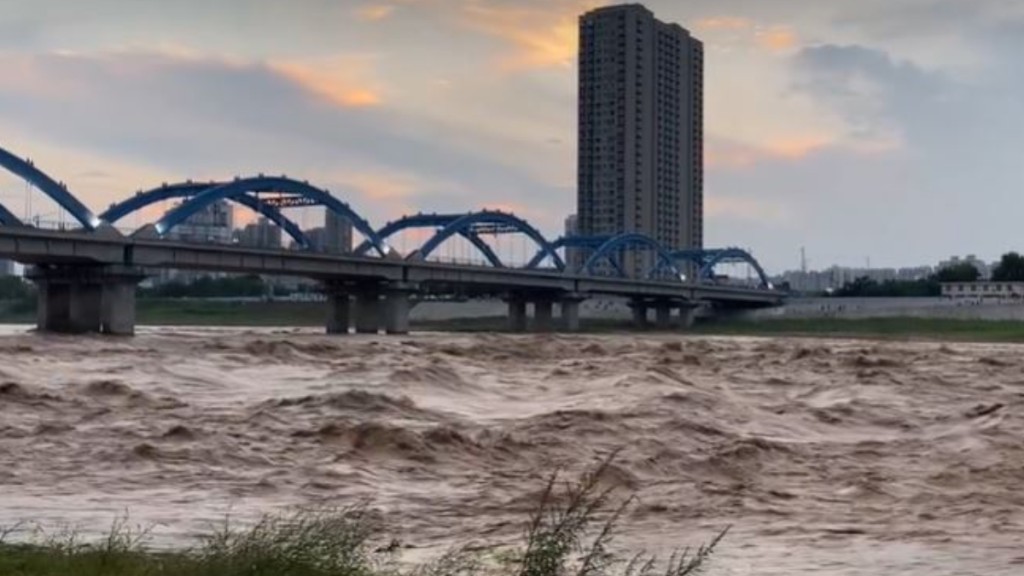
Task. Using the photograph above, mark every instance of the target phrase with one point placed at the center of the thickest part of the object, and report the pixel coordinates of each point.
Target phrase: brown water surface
(827, 457)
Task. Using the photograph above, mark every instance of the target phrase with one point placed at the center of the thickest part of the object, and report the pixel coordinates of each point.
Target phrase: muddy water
(827, 457)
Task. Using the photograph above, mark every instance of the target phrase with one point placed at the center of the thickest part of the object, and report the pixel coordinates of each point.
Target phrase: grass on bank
(169, 312)
(946, 329)
(568, 534)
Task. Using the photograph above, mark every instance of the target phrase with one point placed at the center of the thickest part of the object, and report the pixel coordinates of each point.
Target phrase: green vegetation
(569, 534)
(881, 328)
(961, 272)
(1009, 269)
(247, 286)
(865, 287)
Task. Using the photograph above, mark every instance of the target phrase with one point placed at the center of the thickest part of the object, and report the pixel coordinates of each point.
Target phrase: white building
(993, 291)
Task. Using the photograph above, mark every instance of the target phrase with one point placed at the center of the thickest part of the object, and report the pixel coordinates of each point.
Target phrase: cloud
(211, 119)
(777, 39)
(375, 12)
(724, 23)
(544, 36)
(340, 80)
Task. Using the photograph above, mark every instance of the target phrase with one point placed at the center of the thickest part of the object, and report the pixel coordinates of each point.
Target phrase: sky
(857, 129)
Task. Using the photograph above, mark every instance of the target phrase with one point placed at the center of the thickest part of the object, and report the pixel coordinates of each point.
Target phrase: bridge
(86, 276)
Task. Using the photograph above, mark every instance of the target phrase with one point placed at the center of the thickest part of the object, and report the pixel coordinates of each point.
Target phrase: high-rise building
(260, 234)
(640, 165)
(213, 224)
(572, 255)
(338, 231)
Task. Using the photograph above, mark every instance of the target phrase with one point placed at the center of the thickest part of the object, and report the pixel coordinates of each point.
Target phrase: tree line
(1009, 269)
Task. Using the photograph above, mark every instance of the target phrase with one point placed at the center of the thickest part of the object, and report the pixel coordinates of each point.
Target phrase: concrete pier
(687, 316)
(663, 315)
(339, 311)
(396, 309)
(84, 299)
(543, 315)
(639, 313)
(571, 313)
(367, 310)
(517, 314)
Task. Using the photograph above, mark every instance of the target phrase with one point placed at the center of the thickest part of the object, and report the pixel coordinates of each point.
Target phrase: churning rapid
(826, 457)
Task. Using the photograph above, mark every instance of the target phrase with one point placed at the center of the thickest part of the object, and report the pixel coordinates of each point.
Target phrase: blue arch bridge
(86, 275)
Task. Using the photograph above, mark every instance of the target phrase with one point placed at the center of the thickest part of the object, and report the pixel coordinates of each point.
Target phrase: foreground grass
(568, 534)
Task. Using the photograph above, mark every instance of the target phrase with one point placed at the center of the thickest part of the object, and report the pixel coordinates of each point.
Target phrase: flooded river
(827, 457)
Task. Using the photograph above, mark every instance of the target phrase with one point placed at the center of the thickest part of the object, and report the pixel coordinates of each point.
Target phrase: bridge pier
(396, 309)
(516, 313)
(543, 315)
(639, 313)
(339, 310)
(571, 313)
(663, 315)
(84, 299)
(367, 310)
(687, 315)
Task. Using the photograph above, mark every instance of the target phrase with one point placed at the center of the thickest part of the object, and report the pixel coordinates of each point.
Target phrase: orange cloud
(382, 187)
(742, 208)
(724, 23)
(374, 12)
(541, 38)
(339, 80)
(798, 147)
(777, 39)
(736, 155)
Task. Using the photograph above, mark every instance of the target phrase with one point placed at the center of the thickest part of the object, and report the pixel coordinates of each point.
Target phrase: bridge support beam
(368, 310)
(543, 315)
(84, 299)
(516, 313)
(687, 315)
(663, 315)
(571, 313)
(396, 309)
(339, 310)
(639, 313)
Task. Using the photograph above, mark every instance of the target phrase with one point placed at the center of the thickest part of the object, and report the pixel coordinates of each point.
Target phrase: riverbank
(572, 523)
(154, 312)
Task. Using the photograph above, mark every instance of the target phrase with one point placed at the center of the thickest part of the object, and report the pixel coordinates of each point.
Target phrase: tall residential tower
(641, 99)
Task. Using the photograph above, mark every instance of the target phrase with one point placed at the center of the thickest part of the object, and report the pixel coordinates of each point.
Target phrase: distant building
(260, 234)
(641, 116)
(572, 255)
(6, 268)
(984, 268)
(819, 281)
(338, 231)
(983, 291)
(214, 224)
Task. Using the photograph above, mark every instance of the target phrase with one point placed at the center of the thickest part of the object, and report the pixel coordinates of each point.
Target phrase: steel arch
(717, 257)
(593, 242)
(432, 221)
(665, 261)
(466, 222)
(270, 184)
(7, 218)
(56, 191)
(187, 189)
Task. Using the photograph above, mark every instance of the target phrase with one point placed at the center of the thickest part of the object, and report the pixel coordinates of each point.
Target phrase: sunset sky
(856, 128)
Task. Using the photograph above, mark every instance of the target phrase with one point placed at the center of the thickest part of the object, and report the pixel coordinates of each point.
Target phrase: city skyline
(855, 129)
